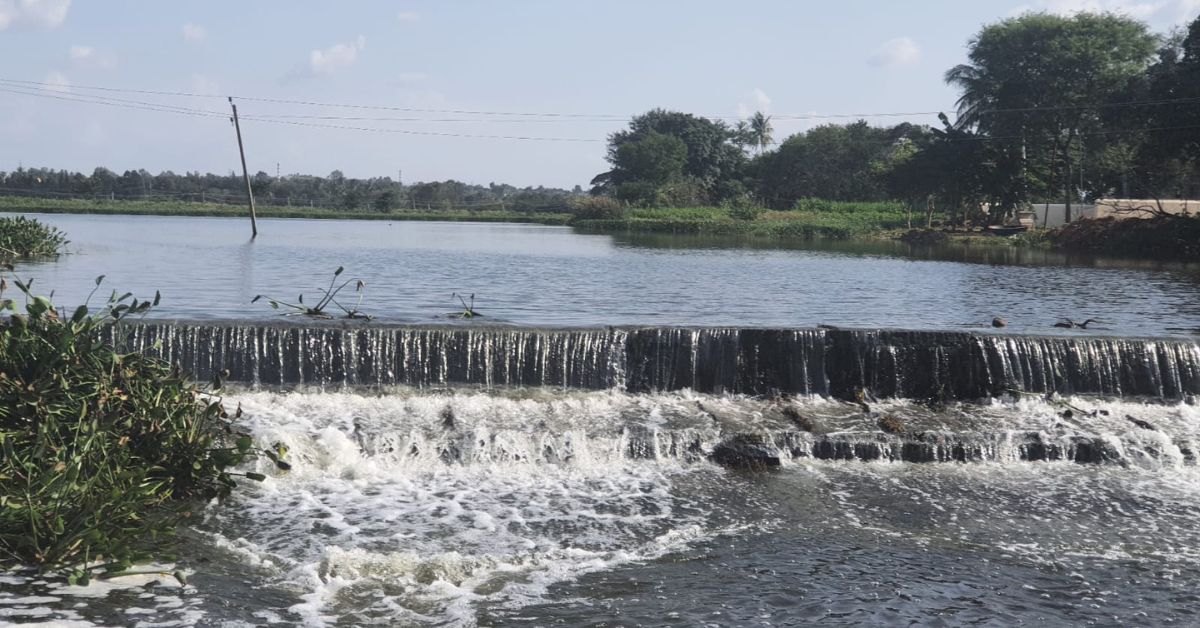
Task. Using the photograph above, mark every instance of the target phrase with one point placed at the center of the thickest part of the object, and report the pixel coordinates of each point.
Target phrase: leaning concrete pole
(245, 173)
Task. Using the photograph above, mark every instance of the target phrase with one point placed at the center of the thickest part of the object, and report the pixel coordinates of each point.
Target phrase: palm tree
(760, 130)
(740, 135)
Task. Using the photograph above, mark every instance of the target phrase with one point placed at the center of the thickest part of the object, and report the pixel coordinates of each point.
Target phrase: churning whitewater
(543, 506)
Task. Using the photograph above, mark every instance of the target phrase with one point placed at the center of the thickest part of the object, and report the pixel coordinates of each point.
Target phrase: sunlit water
(538, 275)
(542, 507)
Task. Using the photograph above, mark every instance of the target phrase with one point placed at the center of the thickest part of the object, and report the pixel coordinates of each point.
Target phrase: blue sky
(605, 59)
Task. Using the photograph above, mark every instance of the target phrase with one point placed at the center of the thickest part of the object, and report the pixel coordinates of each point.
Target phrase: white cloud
(33, 13)
(201, 84)
(1188, 9)
(756, 100)
(408, 16)
(411, 77)
(335, 57)
(194, 32)
(87, 57)
(1170, 11)
(57, 82)
(896, 52)
(1140, 10)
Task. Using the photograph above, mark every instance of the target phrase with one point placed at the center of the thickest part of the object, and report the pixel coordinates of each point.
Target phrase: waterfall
(839, 363)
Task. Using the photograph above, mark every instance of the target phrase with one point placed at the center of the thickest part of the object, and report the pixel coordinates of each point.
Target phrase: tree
(760, 131)
(1164, 159)
(832, 161)
(1039, 79)
(711, 155)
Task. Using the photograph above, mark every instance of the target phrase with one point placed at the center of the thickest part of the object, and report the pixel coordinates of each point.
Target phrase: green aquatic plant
(22, 237)
(468, 310)
(103, 452)
(328, 297)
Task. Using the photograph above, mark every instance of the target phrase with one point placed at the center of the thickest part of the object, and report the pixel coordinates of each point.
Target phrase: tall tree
(711, 155)
(1040, 80)
(760, 130)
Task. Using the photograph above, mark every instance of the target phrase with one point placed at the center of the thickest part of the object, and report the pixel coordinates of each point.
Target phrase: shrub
(22, 237)
(813, 205)
(103, 452)
(744, 208)
(596, 208)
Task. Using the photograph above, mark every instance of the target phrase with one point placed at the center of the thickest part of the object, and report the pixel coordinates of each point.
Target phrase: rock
(890, 424)
(799, 420)
(999, 322)
(1140, 423)
(745, 451)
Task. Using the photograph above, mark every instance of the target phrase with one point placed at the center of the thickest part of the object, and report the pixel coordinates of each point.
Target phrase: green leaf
(244, 443)
(257, 477)
(80, 313)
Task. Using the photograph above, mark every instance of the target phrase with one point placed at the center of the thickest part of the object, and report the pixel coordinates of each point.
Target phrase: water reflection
(538, 275)
(992, 253)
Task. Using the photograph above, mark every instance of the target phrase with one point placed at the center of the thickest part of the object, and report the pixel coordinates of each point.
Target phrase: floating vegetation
(468, 310)
(328, 297)
(22, 238)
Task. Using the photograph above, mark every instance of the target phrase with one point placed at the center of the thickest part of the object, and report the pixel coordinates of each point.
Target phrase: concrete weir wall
(831, 362)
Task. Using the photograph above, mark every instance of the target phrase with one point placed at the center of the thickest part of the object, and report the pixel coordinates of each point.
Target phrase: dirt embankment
(1163, 237)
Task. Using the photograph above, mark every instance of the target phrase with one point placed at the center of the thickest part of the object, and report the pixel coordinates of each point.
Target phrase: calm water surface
(539, 275)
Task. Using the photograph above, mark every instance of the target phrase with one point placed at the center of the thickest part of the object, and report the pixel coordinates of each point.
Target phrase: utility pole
(245, 173)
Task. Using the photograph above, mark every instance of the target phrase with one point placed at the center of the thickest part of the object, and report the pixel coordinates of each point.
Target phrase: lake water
(451, 505)
(208, 268)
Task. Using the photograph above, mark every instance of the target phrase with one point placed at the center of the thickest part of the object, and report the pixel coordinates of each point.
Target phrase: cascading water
(489, 475)
(831, 362)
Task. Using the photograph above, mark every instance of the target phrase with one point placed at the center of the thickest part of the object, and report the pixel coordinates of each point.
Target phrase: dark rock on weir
(1145, 425)
(890, 424)
(745, 452)
(801, 422)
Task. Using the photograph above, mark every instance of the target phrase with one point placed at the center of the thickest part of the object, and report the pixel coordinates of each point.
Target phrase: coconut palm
(760, 130)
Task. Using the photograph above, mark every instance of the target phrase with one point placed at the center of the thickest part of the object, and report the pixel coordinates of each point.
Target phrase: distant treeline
(335, 191)
(1052, 108)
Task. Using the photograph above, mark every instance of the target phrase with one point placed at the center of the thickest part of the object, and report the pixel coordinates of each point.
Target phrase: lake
(207, 268)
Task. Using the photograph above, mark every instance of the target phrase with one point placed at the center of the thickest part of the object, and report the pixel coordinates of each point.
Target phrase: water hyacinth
(103, 452)
(22, 237)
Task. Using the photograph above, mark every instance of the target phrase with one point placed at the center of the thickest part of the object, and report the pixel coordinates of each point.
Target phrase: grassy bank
(828, 220)
(161, 208)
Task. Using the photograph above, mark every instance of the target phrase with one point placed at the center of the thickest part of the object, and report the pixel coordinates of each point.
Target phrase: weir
(837, 363)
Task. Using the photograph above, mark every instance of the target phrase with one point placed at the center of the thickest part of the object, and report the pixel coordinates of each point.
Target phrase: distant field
(161, 208)
(813, 219)
(831, 220)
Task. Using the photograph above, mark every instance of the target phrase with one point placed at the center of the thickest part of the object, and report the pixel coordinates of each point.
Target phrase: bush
(103, 452)
(813, 205)
(22, 237)
(744, 208)
(596, 208)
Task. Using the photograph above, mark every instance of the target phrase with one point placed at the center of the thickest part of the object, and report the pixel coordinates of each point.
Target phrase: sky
(443, 89)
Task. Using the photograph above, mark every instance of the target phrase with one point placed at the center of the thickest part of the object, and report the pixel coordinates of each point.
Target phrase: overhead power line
(581, 116)
(46, 90)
